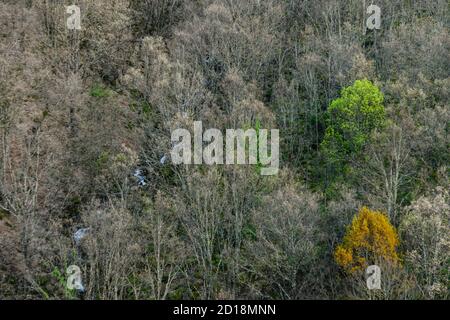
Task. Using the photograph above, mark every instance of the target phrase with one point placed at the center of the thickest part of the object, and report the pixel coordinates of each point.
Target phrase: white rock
(80, 234)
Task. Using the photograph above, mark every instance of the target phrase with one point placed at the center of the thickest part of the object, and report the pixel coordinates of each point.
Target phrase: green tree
(350, 120)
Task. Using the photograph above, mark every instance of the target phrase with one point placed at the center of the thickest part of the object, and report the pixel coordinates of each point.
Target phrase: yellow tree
(370, 238)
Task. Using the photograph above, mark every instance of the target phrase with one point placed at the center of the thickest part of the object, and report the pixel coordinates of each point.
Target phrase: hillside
(118, 122)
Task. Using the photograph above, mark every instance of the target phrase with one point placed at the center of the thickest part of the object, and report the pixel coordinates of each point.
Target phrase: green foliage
(98, 91)
(62, 281)
(2, 214)
(102, 160)
(351, 119)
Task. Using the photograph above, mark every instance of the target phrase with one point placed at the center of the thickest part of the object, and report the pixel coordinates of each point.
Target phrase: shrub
(100, 92)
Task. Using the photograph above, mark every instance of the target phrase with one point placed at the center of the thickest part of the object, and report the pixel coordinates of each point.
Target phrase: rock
(80, 234)
(139, 175)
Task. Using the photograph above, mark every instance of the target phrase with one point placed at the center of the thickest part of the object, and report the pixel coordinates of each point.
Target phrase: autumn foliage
(369, 239)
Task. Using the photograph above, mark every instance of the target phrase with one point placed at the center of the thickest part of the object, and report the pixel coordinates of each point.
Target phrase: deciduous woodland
(86, 179)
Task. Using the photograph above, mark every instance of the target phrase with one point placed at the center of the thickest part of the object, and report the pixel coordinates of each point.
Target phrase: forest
(93, 208)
